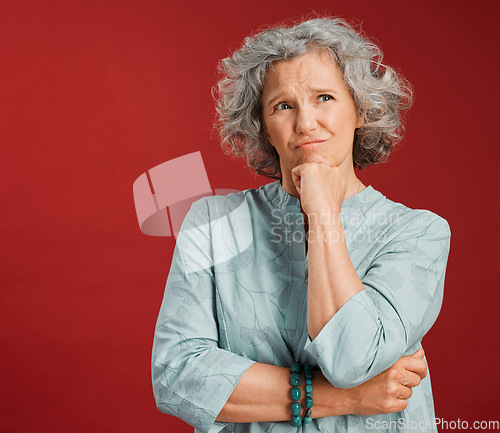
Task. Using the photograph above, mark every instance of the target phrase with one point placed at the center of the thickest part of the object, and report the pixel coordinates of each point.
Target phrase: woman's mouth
(309, 144)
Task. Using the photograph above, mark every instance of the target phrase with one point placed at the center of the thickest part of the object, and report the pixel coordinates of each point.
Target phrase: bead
(295, 379)
(307, 420)
(308, 411)
(309, 381)
(296, 408)
(295, 368)
(308, 371)
(309, 394)
(309, 388)
(308, 402)
(295, 394)
(296, 421)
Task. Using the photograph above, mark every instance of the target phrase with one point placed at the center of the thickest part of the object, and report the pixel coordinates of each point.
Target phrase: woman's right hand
(389, 391)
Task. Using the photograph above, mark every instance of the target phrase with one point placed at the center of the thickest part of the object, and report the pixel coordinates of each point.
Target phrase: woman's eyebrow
(324, 90)
(275, 98)
(280, 95)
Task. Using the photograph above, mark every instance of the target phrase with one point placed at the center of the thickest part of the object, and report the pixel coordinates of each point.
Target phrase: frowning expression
(308, 112)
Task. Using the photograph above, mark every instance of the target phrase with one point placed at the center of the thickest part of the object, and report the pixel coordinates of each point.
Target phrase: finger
(297, 172)
(411, 379)
(298, 168)
(297, 182)
(405, 392)
(416, 365)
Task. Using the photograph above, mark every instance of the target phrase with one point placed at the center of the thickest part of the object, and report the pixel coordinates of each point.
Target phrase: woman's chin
(317, 157)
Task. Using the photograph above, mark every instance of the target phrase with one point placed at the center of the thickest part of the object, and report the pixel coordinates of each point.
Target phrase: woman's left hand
(321, 187)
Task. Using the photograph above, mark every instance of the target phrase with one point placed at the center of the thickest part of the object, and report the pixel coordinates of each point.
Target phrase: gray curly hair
(380, 94)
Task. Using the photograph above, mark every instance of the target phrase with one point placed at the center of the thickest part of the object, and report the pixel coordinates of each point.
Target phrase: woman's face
(308, 113)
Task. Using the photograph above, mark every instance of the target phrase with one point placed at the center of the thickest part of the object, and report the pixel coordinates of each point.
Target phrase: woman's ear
(360, 121)
(269, 139)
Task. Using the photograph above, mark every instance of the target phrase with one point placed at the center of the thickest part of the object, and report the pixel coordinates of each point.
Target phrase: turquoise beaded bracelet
(295, 394)
(308, 403)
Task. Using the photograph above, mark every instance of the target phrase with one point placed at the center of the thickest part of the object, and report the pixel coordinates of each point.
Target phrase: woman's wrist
(331, 401)
(325, 217)
(263, 395)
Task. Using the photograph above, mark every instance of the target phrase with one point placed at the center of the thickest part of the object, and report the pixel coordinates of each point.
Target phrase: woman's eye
(325, 98)
(281, 106)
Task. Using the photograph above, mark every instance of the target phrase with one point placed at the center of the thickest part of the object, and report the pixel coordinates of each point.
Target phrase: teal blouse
(236, 294)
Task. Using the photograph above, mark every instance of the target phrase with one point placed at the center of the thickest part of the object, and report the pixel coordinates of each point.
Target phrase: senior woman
(301, 305)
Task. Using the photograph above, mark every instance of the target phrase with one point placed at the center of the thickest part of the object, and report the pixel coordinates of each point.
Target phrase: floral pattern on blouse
(236, 294)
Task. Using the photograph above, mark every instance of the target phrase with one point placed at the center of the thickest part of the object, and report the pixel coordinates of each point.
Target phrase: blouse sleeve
(401, 301)
(192, 377)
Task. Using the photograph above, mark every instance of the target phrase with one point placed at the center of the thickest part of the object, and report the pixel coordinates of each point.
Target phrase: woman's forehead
(312, 70)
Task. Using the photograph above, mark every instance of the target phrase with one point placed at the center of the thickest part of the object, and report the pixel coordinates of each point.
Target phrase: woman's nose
(305, 121)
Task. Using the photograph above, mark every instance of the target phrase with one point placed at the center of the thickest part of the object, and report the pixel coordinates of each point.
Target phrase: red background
(94, 93)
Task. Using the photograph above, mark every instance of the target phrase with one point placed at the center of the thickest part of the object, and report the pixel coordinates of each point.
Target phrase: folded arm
(360, 327)
(263, 393)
